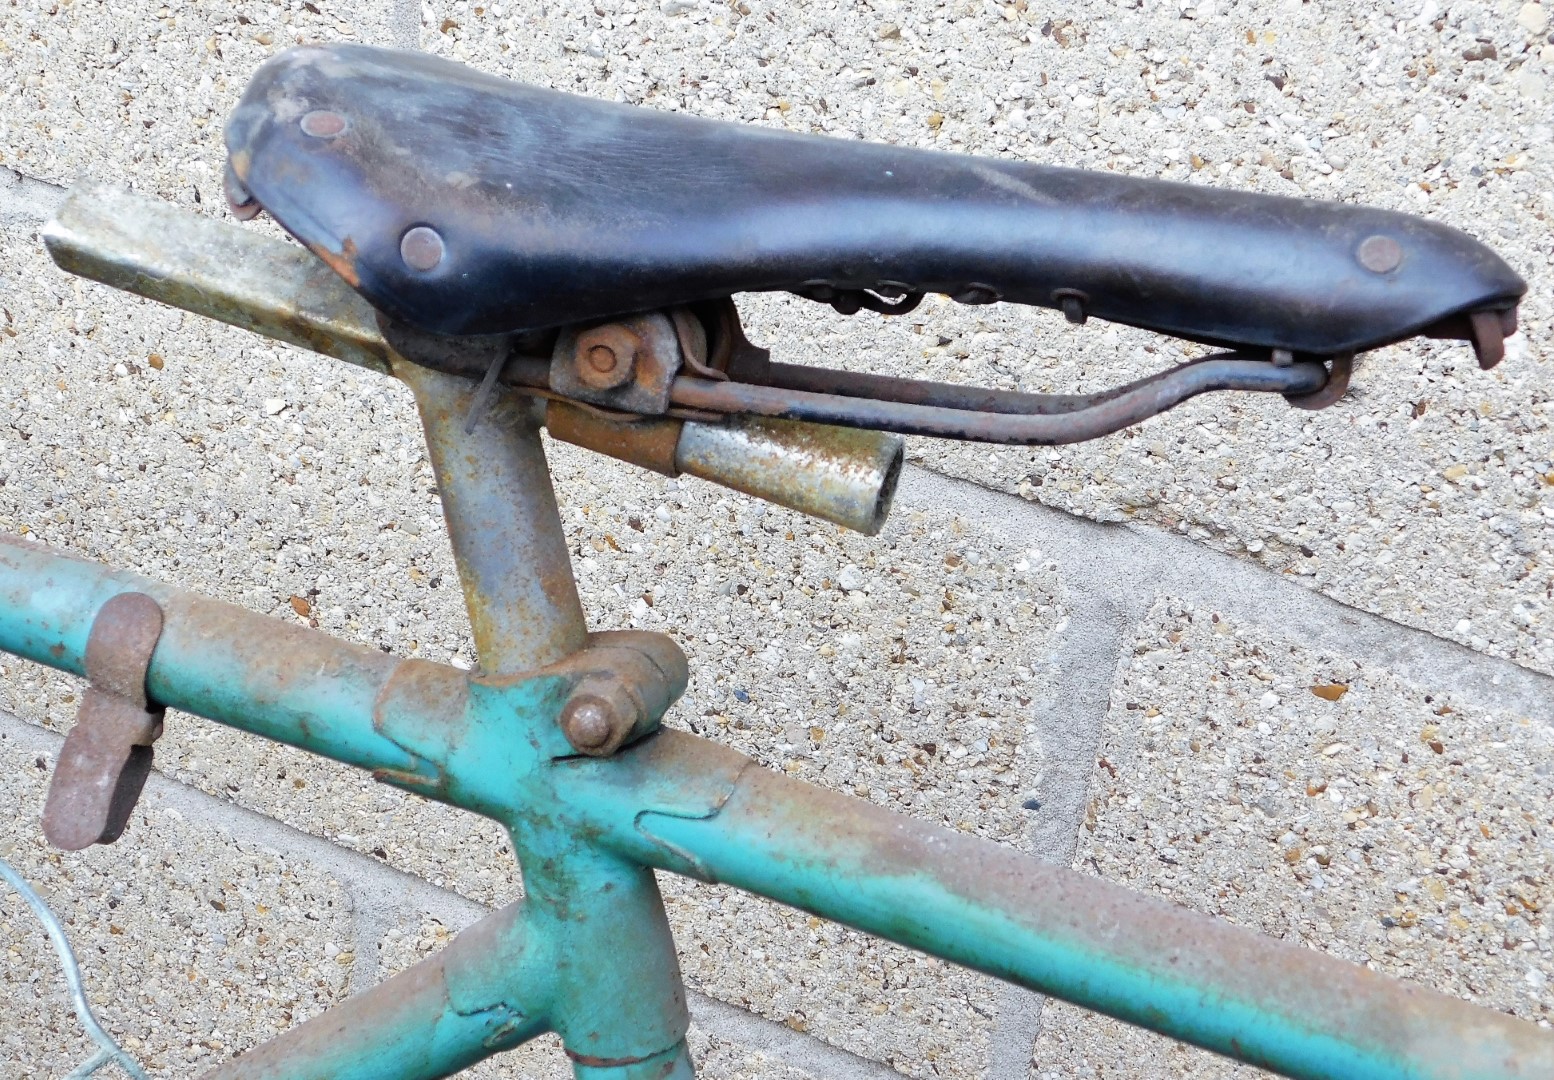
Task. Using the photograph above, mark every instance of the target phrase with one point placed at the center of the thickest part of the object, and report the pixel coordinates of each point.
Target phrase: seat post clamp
(107, 755)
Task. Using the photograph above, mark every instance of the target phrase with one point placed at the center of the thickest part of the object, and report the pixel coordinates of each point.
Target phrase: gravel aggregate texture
(192, 948)
(1320, 800)
(1123, 661)
(137, 93)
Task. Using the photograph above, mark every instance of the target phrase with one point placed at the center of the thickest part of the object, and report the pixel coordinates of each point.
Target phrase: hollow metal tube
(843, 475)
(503, 521)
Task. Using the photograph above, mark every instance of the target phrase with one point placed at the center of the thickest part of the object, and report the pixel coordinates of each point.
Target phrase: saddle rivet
(1072, 303)
(1379, 254)
(976, 293)
(421, 248)
(322, 124)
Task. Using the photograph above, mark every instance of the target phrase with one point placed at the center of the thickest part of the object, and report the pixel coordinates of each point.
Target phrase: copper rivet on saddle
(421, 248)
(323, 124)
(1379, 254)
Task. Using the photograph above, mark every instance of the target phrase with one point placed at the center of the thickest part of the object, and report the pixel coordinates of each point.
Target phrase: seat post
(503, 521)
(600, 912)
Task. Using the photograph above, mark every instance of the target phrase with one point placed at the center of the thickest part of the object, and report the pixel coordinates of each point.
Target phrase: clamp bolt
(605, 356)
(587, 724)
(599, 716)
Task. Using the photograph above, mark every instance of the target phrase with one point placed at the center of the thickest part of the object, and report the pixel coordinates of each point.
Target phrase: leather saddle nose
(461, 203)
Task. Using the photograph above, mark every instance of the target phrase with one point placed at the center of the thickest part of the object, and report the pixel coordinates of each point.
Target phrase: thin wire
(111, 1050)
(482, 399)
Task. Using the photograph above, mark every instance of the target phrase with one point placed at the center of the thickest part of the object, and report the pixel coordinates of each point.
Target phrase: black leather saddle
(464, 204)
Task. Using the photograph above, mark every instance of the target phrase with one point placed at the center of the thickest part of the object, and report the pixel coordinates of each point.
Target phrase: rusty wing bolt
(107, 756)
(599, 716)
(606, 356)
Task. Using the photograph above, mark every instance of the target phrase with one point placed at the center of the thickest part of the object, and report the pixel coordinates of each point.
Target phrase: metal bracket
(627, 366)
(107, 755)
(625, 680)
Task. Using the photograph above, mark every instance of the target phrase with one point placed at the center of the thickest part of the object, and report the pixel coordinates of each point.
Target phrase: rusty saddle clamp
(694, 363)
(107, 755)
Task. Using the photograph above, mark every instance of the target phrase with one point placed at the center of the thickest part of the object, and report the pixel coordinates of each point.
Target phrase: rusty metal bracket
(107, 755)
(623, 682)
(628, 365)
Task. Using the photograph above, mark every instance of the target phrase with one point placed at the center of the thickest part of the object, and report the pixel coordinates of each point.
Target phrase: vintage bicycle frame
(588, 952)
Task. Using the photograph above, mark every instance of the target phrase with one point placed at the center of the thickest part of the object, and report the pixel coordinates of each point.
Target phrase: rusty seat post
(600, 912)
(503, 522)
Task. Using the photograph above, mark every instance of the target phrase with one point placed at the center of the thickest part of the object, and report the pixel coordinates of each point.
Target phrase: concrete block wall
(1103, 654)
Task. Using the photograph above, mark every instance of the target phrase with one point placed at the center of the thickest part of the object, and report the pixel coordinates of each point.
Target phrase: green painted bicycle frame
(588, 952)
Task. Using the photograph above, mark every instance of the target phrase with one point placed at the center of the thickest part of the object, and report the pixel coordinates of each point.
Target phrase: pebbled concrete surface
(1405, 531)
(192, 948)
(1320, 799)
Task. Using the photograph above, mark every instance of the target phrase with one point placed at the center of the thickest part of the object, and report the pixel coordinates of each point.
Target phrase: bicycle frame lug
(626, 681)
(107, 755)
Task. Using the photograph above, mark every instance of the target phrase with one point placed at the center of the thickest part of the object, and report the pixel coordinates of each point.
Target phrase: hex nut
(605, 357)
